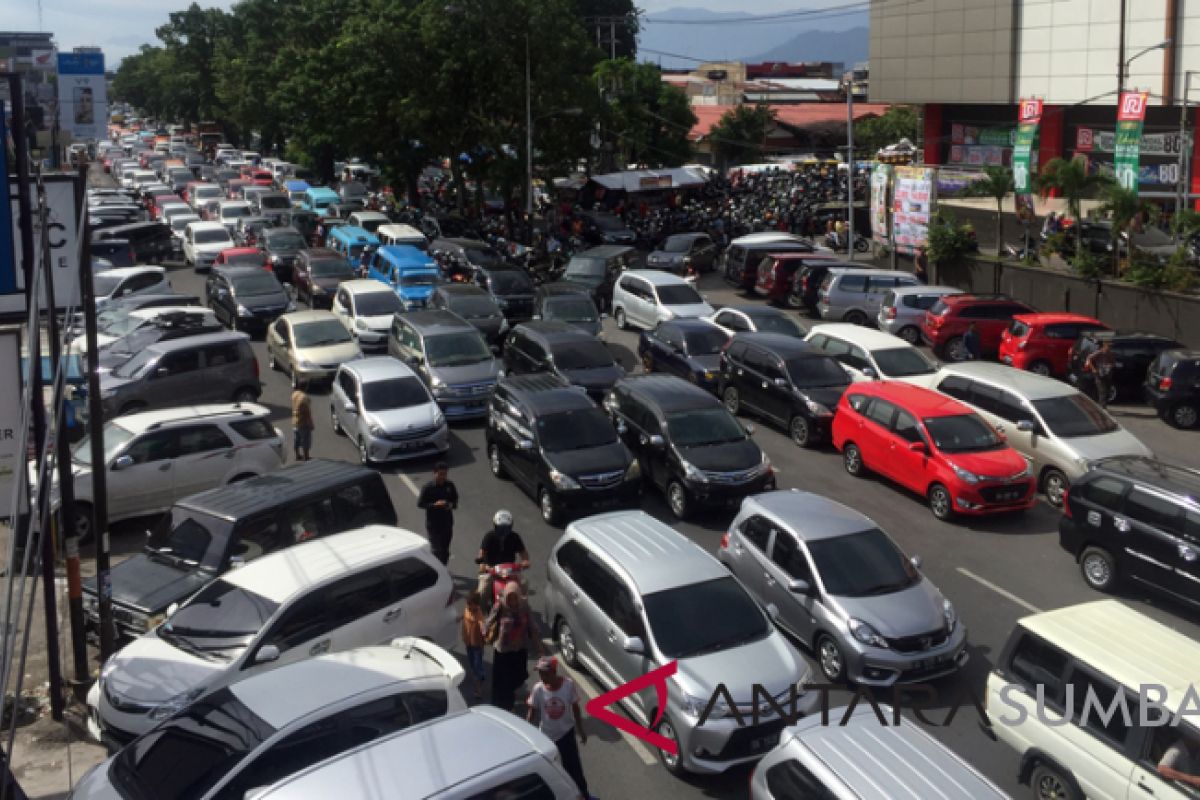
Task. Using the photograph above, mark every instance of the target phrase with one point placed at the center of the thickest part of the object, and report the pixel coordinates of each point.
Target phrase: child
(472, 637)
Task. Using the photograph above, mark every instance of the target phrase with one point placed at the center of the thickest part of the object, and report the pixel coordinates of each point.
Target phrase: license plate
(607, 502)
(1008, 495)
(410, 446)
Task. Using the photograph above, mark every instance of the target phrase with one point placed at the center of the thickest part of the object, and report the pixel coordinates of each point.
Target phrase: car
(602, 228)
(689, 446)
(945, 323)
(469, 254)
(744, 253)
(403, 683)
(561, 349)
(203, 194)
(118, 309)
(127, 331)
(784, 381)
(381, 405)
(309, 346)
(410, 272)
(511, 288)
(264, 202)
(119, 283)
(152, 242)
(281, 246)
(755, 318)
(349, 590)
(1041, 343)
(1133, 353)
(450, 356)
(934, 446)
(854, 295)
(399, 233)
(1132, 519)
(475, 306)
(1172, 387)
(179, 223)
(247, 298)
(249, 230)
(156, 457)
(230, 211)
(1056, 427)
(645, 298)
(684, 254)
(687, 348)
(571, 303)
(369, 221)
(597, 270)
(833, 580)
(904, 307)
(181, 325)
(117, 252)
(777, 273)
(626, 594)
(366, 308)
(873, 355)
(203, 242)
(550, 439)
(241, 257)
(317, 273)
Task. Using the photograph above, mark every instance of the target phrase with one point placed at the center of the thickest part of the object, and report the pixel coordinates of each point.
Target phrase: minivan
(1133, 353)
(855, 295)
(152, 242)
(646, 297)
(562, 349)
(903, 309)
(450, 355)
(1172, 387)
(597, 270)
(744, 254)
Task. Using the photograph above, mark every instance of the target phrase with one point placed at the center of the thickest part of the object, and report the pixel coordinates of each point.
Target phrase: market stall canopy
(649, 180)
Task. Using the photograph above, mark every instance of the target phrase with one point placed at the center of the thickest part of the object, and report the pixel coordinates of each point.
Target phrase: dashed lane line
(1000, 590)
(407, 481)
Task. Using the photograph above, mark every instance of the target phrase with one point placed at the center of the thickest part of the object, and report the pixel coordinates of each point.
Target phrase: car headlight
(692, 472)
(437, 383)
(304, 363)
(817, 409)
(110, 666)
(964, 474)
(360, 324)
(1083, 464)
(709, 374)
(563, 482)
(175, 704)
(439, 419)
(291, 306)
(950, 615)
(866, 634)
(694, 706)
(375, 429)
(275, 259)
(633, 471)
(242, 311)
(1025, 473)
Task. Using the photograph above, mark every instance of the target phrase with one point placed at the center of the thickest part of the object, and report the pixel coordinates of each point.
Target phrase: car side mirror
(799, 586)
(918, 447)
(869, 373)
(655, 441)
(524, 444)
(122, 462)
(916, 561)
(1025, 426)
(634, 645)
(266, 654)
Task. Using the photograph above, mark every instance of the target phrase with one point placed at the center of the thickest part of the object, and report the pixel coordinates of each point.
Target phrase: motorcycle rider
(500, 545)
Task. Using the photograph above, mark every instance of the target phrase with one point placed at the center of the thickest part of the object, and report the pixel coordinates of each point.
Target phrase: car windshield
(285, 241)
(570, 309)
(104, 285)
(377, 304)
(218, 622)
(898, 362)
(136, 365)
(211, 236)
(677, 245)
(331, 268)
(575, 430)
(233, 212)
(476, 307)
(456, 349)
(863, 564)
(813, 371)
(121, 325)
(1074, 415)
(256, 284)
(513, 282)
(704, 426)
(191, 538)
(703, 618)
(394, 393)
(254, 259)
(678, 295)
(426, 279)
(582, 355)
(777, 323)
(481, 256)
(320, 333)
(962, 433)
(115, 437)
(590, 267)
(274, 201)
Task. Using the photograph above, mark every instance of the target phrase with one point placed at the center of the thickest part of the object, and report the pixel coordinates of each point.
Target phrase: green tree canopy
(645, 120)
(739, 135)
(874, 133)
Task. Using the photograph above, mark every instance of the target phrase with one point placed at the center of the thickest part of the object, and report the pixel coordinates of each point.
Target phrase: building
(34, 56)
(969, 62)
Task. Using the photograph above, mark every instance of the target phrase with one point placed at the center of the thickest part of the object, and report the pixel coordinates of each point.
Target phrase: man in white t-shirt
(555, 701)
(1181, 761)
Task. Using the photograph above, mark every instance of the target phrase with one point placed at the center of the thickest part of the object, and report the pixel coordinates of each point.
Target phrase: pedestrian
(472, 638)
(971, 343)
(921, 265)
(1100, 364)
(511, 631)
(302, 421)
(439, 498)
(550, 699)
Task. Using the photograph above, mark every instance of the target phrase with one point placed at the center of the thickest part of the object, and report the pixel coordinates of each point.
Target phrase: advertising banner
(12, 459)
(1131, 114)
(1031, 115)
(82, 95)
(1089, 140)
(914, 200)
(64, 244)
(881, 176)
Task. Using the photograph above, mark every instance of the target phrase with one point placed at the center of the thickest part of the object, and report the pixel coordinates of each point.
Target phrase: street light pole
(1183, 184)
(528, 134)
(850, 182)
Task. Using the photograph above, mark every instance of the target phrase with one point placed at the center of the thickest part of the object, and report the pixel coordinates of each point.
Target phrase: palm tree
(996, 183)
(1124, 206)
(1073, 182)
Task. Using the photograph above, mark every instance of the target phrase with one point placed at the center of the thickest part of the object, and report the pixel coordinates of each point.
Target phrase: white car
(202, 194)
(203, 242)
(366, 308)
(340, 592)
(870, 355)
(115, 284)
(179, 224)
(230, 211)
(154, 458)
(347, 698)
(168, 211)
(756, 319)
(143, 318)
(646, 297)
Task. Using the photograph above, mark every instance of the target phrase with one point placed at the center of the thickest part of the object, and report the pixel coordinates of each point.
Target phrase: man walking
(1100, 364)
(555, 701)
(971, 343)
(439, 498)
(302, 421)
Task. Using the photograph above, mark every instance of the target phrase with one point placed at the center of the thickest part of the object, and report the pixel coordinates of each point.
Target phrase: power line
(852, 8)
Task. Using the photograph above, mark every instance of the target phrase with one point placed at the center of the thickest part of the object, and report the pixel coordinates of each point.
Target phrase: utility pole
(850, 182)
(1121, 55)
(1183, 186)
(528, 135)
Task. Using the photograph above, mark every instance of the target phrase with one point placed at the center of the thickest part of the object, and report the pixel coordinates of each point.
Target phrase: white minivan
(645, 297)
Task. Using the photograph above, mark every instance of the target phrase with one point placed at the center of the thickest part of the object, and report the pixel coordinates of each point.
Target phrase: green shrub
(1088, 265)
(948, 240)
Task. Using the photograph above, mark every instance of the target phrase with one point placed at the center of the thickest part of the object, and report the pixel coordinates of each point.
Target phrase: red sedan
(933, 445)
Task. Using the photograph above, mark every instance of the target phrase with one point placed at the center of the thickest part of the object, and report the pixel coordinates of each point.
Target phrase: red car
(945, 323)
(155, 202)
(933, 445)
(242, 257)
(262, 177)
(776, 271)
(1042, 343)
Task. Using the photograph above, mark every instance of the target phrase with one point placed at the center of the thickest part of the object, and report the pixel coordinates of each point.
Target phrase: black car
(597, 269)
(553, 442)
(246, 298)
(688, 445)
(569, 303)
(511, 288)
(281, 246)
(316, 274)
(806, 284)
(1136, 519)
(466, 253)
(685, 254)
(475, 306)
(602, 228)
(687, 348)
(564, 350)
(152, 242)
(785, 381)
(449, 226)
(117, 252)
(1173, 387)
(174, 326)
(1133, 352)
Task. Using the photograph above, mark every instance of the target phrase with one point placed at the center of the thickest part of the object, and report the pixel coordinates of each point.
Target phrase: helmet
(502, 519)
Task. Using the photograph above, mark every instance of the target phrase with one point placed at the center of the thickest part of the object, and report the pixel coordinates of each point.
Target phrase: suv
(281, 246)
(688, 444)
(1041, 343)
(448, 353)
(777, 275)
(625, 594)
(743, 255)
(903, 309)
(203, 242)
(855, 295)
(1135, 518)
(783, 380)
(943, 327)
(597, 270)
(687, 348)
(564, 350)
(552, 441)
(156, 457)
(511, 288)
(1133, 353)
(569, 303)
(475, 306)
(152, 242)
(1173, 387)
(246, 298)
(646, 297)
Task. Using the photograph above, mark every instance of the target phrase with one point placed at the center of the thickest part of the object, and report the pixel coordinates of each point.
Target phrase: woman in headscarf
(512, 631)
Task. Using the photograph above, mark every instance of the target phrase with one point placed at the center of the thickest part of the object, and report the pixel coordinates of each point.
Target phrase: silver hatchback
(387, 410)
(904, 308)
(830, 577)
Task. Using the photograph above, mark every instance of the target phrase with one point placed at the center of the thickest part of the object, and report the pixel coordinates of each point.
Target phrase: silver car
(904, 308)
(854, 295)
(387, 411)
(627, 595)
(829, 576)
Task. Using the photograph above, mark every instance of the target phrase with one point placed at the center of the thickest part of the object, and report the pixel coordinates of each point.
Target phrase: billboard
(82, 95)
(914, 199)
(63, 228)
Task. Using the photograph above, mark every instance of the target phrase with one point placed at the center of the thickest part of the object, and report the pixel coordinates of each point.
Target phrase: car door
(343, 309)
(1146, 783)
(623, 620)
(748, 554)
(279, 343)
(666, 347)
(645, 303)
(789, 562)
(302, 630)
(874, 439)
(205, 457)
(148, 483)
(344, 398)
(1007, 411)
(911, 468)
(776, 390)
(1152, 525)
(516, 428)
(174, 378)
(752, 379)
(584, 589)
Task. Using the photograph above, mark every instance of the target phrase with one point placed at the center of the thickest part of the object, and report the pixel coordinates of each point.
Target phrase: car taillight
(725, 541)
(1066, 503)
(889, 313)
(1164, 384)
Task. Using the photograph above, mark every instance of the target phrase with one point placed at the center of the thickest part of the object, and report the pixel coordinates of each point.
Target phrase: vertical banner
(914, 200)
(881, 177)
(1027, 128)
(8, 213)
(12, 459)
(82, 95)
(1131, 114)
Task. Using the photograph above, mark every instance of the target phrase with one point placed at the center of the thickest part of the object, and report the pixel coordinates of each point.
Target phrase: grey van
(856, 295)
(450, 356)
(212, 368)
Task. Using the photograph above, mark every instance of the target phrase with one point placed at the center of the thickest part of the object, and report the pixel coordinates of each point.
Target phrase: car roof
(563, 289)
(149, 420)
(547, 393)
(436, 320)
(206, 226)
(920, 401)
(188, 342)
(1183, 481)
(405, 255)
(462, 290)
(354, 233)
(753, 311)
(280, 229)
(778, 343)
(554, 331)
(962, 299)
(399, 229)
(125, 272)
(364, 286)
(369, 215)
(1051, 318)
(469, 244)
(318, 253)
(378, 368)
(311, 315)
(655, 556)
(686, 324)
(290, 483)
(668, 392)
(921, 288)
(1027, 384)
(765, 237)
(857, 334)
(813, 515)
(1125, 336)
(240, 251)
(688, 236)
(869, 271)
(657, 277)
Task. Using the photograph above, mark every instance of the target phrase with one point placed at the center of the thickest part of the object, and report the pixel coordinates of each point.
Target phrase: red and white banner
(1133, 107)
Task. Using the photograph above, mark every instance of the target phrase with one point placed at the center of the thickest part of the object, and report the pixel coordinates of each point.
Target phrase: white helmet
(503, 519)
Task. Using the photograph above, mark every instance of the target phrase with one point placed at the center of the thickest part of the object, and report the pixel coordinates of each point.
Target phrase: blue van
(318, 199)
(296, 191)
(411, 273)
(350, 242)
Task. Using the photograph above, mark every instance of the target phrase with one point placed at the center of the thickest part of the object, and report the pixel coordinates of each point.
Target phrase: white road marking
(589, 691)
(407, 481)
(1030, 607)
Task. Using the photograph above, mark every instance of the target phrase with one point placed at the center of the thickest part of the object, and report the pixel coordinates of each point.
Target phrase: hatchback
(687, 348)
(385, 409)
(644, 298)
(951, 316)
(932, 445)
(903, 309)
(366, 308)
(116, 284)
(1172, 387)
(310, 346)
(1041, 343)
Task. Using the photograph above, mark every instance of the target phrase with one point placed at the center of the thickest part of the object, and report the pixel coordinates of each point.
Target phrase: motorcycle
(502, 575)
(837, 243)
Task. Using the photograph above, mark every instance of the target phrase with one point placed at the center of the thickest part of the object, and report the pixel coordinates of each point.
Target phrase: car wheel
(364, 455)
(245, 395)
(733, 402)
(83, 521)
(333, 422)
(910, 334)
(1099, 569)
(830, 660)
(671, 761)
(648, 363)
(940, 502)
(956, 350)
(619, 318)
(852, 460)
(1184, 415)
(495, 463)
(1049, 784)
(855, 318)
(1040, 368)
(677, 499)
(548, 507)
(567, 647)
(801, 431)
(1054, 486)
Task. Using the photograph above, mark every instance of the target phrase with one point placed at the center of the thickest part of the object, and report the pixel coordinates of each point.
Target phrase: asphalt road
(995, 570)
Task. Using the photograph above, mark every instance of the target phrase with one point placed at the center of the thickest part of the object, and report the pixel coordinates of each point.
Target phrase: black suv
(597, 270)
(1135, 518)
(1133, 352)
(687, 443)
(475, 306)
(511, 288)
(785, 381)
(281, 246)
(246, 298)
(152, 242)
(1173, 387)
(565, 350)
(552, 441)
(569, 303)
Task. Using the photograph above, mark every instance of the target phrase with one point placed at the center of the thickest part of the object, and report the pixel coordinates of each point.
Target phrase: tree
(740, 133)
(599, 18)
(874, 133)
(996, 183)
(1072, 181)
(192, 36)
(1124, 207)
(647, 120)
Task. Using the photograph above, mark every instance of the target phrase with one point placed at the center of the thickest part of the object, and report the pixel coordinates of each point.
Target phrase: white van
(1079, 656)
(396, 233)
